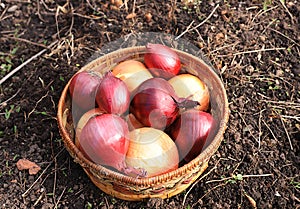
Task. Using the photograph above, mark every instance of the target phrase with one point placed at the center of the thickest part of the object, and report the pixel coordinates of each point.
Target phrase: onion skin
(152, 150)
(105, 139)
(132, 72)
(157, 83)
(154, 108)
(83, 87)
(132, 122)
(190, 131)
(83, 120)
(112, 95)
(191, 87)
(162, 61)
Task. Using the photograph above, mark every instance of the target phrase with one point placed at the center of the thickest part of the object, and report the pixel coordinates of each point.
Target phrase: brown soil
(254, 44)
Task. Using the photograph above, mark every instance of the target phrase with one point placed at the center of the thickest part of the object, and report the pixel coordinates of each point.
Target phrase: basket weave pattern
(165, 185)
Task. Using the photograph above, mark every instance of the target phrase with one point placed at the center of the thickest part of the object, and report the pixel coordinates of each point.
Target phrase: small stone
(148, 17)
(262, 38)
(12, 8)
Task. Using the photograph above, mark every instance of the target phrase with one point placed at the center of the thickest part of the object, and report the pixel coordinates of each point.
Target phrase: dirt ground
(254, 44)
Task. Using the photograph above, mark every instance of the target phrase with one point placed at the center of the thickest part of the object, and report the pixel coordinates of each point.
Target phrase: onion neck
(131, 171)
(186, 103)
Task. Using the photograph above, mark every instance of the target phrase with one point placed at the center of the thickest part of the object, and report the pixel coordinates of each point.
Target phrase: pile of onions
(190, 86)
(152, 150)
(142, 118)
(190, 132)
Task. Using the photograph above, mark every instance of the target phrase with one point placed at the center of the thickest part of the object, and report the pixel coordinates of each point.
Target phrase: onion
(152, 150)
(158, 83)
(132, 72)
(162, 61)
(190, 132)
(104, 140)
(132, 122)
(191, 87)
(83, 120)
(83, 87)
(156, 104)
(112, 95)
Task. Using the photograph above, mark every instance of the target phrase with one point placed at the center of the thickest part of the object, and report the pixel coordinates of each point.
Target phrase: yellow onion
(153, 150)
(132, 72)
(191, 87)
(132, 122)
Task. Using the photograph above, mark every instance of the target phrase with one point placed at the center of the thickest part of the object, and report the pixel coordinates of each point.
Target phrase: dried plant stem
(25, 63)
(204, 21)
(287, 10)
(60, 196)
(243, 176)
(287, 134)
(42, 174)
(259, 50)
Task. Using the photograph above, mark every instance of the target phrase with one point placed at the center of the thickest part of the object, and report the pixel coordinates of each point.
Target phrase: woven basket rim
(202, 157)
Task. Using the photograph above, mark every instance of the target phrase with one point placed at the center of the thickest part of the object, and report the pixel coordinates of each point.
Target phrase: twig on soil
(32, 185)
(204, 21)
(287, 10)
(276, 31)
(251, 51)
(259, 127)
(259, 50)
(5, 102)
(60, 196)
(209, 191)
(40, 176)
(268, 127)
(26, 41)
(261, 12)
(186, 30)
(247, 126)
(25, 63)
(3, 13)
(133, 7)
(287, 134)
(36, 104)
(196, 182)
(243, 176)
(39, 198)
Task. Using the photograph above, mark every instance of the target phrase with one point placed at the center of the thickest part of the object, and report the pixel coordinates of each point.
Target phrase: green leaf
(239, 177)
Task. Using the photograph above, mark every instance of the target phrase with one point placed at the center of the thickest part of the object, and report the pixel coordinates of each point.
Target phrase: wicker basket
(165, 185)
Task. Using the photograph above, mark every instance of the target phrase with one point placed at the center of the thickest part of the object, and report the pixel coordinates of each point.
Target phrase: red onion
(162, 61)
(190, 132)
(113, 95)
(156, 108)
(83, 87)
(158, 83)
(104, 140)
